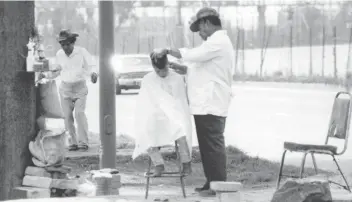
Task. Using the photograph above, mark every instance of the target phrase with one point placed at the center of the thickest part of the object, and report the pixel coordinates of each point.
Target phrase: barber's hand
(41, 76)
(94, 77)
(159, 53)
(180, 69)
(57, 68)
(173, 65)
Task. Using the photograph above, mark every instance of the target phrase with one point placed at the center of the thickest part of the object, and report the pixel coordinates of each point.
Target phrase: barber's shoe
(186, 168)
(158, 171)
(207, 193)
(83, 147)
(205, 187)
(73, 147)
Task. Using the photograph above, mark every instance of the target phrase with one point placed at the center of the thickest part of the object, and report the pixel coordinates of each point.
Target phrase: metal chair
(178, 174)
(338, 129)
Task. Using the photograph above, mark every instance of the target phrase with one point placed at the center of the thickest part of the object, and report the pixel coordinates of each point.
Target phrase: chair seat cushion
(310, 147)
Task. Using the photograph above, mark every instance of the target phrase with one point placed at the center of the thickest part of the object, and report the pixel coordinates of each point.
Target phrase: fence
(306, 39)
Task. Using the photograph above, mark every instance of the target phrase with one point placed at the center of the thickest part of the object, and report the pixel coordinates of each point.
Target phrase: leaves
(124, 11)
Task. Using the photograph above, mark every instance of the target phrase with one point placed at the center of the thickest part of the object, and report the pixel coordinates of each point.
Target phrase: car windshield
(136, 61)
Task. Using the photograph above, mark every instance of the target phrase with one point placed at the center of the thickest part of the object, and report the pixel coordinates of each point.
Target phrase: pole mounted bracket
(108, 124)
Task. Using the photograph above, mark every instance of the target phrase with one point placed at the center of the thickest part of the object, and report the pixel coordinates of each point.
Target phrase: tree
(342, 19)
(261, 29)
(63, 15)
(66, 15)
(123, 12)
(91, 30)
(17, 94)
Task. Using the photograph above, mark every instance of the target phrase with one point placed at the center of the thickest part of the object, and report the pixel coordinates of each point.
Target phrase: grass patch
(123, 141)
(249, 170)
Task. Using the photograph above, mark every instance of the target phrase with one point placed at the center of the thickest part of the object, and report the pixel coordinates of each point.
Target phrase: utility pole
(107, 85)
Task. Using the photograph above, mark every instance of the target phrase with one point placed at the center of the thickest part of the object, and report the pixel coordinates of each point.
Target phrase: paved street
(261, 118)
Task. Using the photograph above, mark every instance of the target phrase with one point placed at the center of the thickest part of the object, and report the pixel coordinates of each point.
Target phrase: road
(261, 116)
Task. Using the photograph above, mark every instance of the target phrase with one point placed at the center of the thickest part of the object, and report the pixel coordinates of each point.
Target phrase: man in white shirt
(75, 64)
(209, 90)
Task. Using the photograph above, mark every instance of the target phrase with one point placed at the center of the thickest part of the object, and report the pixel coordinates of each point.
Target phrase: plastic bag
(48, 148)
(86, 189)
(50, 100)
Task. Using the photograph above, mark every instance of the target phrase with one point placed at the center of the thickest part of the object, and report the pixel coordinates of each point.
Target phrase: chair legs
(280, 171)
(148, 178)
(180, 170)
(347, 187)
(303, 162)
(302, 166)
(314, 163)
(180, 175)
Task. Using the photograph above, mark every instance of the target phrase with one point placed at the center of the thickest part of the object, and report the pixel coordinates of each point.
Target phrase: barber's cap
(202, 13)
(65, 35)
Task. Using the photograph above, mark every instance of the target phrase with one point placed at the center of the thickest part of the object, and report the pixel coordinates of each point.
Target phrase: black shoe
(207, 193)
(204, 188)
(73, 147)
(83, 147)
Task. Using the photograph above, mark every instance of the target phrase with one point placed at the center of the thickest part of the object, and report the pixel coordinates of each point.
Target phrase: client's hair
(159, 63)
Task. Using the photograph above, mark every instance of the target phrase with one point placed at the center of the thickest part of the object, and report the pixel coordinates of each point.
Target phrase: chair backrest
(340, 119)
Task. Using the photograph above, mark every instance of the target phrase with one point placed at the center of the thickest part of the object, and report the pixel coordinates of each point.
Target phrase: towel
(162, 113)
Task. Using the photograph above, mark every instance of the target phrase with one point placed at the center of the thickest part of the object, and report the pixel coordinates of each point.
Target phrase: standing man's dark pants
(211, 141)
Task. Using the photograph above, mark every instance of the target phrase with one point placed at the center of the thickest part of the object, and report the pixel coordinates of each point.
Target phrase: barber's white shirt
(76, 67)
(210, 72)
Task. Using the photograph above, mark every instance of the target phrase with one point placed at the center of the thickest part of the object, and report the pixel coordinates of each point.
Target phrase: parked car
(130, 70)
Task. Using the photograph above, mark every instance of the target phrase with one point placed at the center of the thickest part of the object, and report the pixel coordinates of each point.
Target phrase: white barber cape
(162, 113)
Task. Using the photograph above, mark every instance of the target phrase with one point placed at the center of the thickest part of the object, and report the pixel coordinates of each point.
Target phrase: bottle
(30, 56)
(42, 58)
(41, 52)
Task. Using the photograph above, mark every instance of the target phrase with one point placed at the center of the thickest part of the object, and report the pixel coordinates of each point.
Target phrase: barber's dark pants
(211, 141)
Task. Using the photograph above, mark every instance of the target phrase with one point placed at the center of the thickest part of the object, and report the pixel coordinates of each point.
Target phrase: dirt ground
(257, 175)
(133, 187)
(256, 187)
(133, 180)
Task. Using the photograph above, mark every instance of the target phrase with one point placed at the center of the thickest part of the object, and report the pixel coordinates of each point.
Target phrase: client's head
(160, 65)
